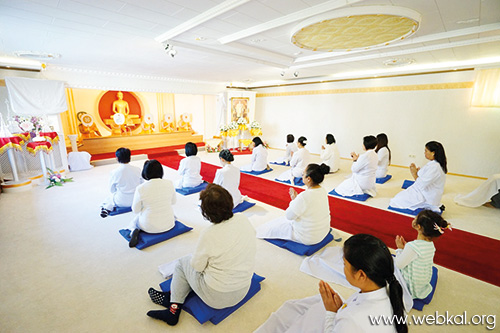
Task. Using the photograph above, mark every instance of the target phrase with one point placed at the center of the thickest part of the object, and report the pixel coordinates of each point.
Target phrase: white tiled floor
(65, 269)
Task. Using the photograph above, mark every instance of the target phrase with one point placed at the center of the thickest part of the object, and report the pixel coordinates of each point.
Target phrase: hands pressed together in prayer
(331, 300)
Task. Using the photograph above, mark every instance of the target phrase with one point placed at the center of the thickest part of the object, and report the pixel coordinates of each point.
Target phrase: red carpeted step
(151, 152)
(471, 254)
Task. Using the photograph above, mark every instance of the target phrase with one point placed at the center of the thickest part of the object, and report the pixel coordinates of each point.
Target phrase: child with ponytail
(415, 258)
(368, 265)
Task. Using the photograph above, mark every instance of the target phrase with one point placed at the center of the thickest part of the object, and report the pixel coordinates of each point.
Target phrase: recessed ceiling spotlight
(257, 40)
(282, 73)
(200, 38)
(395, 62)
(296, 74)
(37, 55)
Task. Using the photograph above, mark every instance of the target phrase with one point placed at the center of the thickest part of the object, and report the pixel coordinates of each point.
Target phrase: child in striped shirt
(415, 258)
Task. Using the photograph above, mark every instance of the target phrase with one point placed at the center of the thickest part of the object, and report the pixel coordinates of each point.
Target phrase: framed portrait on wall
(240, 108)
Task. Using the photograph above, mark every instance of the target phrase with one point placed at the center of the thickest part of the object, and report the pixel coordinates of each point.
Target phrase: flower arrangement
(55, 179)
(233, 129)
(242, 124)
(255, 129)
(29, 124)
(255, 124)
(223, 130)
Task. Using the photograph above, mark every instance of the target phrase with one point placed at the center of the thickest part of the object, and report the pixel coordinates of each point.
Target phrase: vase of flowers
(30, 124)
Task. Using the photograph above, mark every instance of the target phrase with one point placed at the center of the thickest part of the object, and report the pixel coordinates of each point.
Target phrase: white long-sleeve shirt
(299, 162)
(426, 192)
(383, 162)
(123, 183)
(225, 254)
(229, 178)
(354, 315)
(189, 170)
(291, 148)
(331, 157)
(153, 202)
(310, 215)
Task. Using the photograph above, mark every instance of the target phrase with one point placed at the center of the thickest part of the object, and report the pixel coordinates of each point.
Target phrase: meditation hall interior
(80, 79)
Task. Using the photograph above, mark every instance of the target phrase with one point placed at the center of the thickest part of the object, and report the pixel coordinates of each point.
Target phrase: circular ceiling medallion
(352, 31)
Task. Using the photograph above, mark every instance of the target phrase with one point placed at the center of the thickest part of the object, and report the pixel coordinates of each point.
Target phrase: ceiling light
(200, 39)
(356, 28)
(424, 67)
(169, 48)
(296, 74)
(21, 64)
(282, 73)
(37, 55)
(474, 20)
(398, 62)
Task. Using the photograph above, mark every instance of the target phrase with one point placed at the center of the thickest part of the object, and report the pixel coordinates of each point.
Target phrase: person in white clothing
(307, 218)
(383, 154)
(330, 155)
(415, 258)
(122, 183)
(259, 156)
(221, 269)
(428, 188)
(363, 170)
(298, 163)
(368, 265)
(486, 192)
(229, 176)
(290, 149)
(189, 168)
(152, 203)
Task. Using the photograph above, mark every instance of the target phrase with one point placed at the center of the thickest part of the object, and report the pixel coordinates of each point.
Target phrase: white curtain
(36, 97)
(486, 91)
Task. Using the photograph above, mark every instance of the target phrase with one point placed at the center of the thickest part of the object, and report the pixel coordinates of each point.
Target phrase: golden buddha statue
(121, 106)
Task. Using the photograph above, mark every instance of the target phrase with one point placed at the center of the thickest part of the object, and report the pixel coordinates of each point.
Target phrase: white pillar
(72, 138)
(12, 160)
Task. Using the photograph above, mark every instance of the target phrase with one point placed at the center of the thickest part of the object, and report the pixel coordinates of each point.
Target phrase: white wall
(471, 136)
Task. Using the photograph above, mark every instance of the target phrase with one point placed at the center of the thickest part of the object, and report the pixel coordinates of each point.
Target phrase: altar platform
(110, 144)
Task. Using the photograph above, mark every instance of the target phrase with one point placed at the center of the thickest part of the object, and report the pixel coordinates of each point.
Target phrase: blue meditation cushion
(191, 190)
(298, 248)
(408, 211)
(147, 239)
(120, 210)
(243, 206)
(357, 197)
(407, 183)
(256, 173)
(203, 313)
(383, 179)
(298, 181)
(418, 304)
(282, 163)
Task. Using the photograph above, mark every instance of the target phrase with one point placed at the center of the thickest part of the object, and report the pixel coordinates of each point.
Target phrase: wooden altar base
(110, 144)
